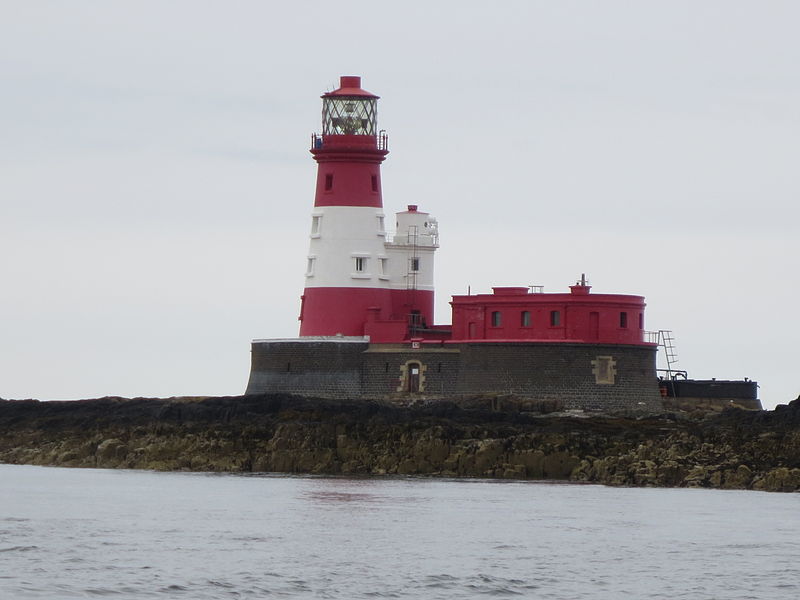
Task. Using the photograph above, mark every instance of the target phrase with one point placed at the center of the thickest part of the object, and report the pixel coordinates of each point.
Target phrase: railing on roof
(652, 337)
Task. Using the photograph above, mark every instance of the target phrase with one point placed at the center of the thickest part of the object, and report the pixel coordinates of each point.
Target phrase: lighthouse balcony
(322, 142)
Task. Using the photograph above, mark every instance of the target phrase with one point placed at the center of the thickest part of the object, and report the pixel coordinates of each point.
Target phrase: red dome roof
(350, 85)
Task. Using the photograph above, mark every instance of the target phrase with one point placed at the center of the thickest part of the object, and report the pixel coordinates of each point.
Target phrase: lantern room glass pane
(349, 116)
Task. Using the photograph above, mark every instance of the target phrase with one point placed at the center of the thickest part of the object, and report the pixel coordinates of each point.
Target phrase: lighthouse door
(413, 377)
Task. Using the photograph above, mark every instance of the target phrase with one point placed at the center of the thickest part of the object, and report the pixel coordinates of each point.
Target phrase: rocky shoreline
(478, 437)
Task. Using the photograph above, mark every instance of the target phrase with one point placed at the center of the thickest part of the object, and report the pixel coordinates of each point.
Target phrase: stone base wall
(571, 376)
(581, 376)
(319, 368)
(386, 371)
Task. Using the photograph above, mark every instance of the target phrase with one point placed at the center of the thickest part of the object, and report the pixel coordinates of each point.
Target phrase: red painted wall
(406, 301)
(329, 310)
(472, 316)
(350, 171)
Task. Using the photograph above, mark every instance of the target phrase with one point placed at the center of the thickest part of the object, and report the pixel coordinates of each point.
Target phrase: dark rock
(500, 437)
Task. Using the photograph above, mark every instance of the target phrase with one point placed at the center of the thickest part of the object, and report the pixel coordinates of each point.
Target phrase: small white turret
(410, 262)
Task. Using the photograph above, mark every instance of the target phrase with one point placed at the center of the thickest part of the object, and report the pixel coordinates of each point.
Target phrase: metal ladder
(412, 240)
(667, 341)
(411, 273)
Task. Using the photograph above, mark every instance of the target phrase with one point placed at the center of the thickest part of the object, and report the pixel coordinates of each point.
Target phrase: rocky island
(495, 437)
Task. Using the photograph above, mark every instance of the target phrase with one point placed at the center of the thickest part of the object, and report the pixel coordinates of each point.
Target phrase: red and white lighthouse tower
(353, 271)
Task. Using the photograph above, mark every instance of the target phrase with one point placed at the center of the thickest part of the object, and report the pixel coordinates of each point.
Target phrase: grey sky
(155, 180)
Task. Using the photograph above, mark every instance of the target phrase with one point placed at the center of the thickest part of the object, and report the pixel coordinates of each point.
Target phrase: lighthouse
(356, 270)
(367, 326)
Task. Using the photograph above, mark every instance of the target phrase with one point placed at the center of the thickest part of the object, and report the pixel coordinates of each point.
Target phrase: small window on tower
(623, 319)
(361, 264)
(374, 183)
(555, 318)
(384, 262)
(328, 182)
(415, 264)
(381, 226)
(496, 319)
(316, 221)
(310, 267)
(525, 318)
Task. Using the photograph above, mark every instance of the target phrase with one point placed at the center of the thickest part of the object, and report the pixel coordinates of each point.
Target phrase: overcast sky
(156, 185)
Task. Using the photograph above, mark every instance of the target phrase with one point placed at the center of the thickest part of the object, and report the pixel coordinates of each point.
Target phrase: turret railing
(381, 141)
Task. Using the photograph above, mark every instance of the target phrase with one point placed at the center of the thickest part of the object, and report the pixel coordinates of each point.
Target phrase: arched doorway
(412, 377)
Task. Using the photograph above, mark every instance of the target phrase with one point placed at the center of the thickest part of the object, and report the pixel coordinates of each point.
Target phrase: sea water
(75, 533)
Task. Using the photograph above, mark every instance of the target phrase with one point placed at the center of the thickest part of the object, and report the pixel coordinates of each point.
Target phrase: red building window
(328, 182)
(496, 319)
(555, 318)
(641, 320)
(525, 318)
(623, 320)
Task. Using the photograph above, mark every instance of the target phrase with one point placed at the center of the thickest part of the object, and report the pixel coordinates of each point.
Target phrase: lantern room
(349, 110)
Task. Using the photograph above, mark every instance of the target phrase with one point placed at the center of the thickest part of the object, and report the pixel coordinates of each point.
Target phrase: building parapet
(359, 339)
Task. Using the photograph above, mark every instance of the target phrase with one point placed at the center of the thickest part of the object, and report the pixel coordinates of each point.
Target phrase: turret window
(623, 320)
(555, 318)
(310, 267)
(525, 318)
(316, 222)
(374, 183)
(328, 182)
(497, 318)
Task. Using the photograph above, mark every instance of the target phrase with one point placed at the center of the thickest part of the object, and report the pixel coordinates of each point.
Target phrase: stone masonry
(573, 376)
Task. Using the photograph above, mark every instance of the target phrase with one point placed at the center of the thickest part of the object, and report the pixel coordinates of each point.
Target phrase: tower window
(361, 264)
(641, 320)
(328, 182)
(623, 319)
(555, 318)
(415, 264)
(525, 319)
(381, 225)
(383, 265)
(374, 183)
(310, 267)
(316, 221)
(496, 318)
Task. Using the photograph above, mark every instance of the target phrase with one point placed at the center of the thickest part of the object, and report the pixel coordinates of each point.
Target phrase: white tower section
(346, 249)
